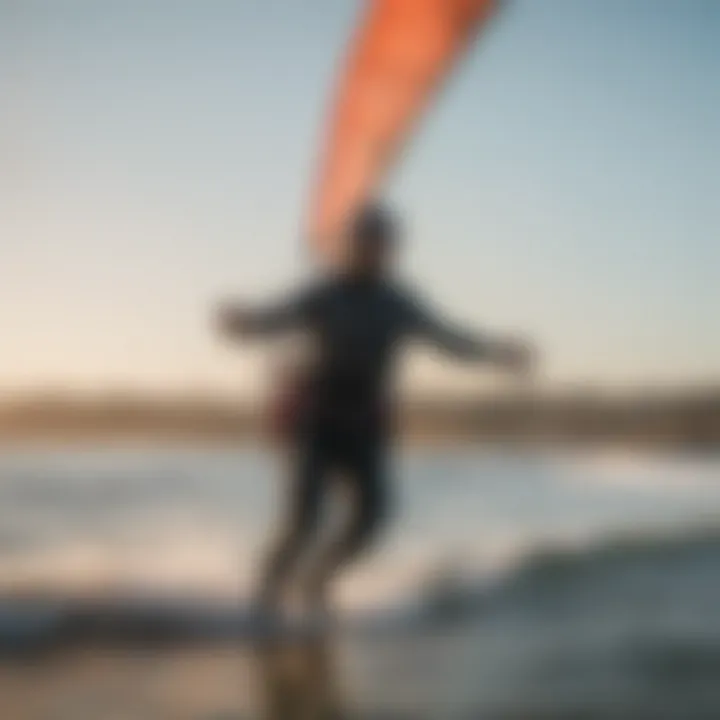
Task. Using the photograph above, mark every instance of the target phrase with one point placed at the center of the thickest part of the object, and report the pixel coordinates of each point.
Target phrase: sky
(156, 155)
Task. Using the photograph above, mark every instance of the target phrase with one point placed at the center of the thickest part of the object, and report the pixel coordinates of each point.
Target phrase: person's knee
(298, 532)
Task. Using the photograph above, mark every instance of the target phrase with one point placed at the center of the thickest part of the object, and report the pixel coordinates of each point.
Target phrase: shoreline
(685, 420)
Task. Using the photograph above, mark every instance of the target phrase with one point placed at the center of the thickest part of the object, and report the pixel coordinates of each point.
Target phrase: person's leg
(364, 466)
(308, 478)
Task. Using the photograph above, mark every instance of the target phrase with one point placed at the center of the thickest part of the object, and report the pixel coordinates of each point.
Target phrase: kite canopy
(402, 52)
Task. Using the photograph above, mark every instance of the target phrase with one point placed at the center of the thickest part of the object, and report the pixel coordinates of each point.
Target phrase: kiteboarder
(357, 318)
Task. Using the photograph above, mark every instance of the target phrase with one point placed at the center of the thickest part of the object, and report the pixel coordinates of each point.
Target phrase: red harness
(292, 400)
(287, 406)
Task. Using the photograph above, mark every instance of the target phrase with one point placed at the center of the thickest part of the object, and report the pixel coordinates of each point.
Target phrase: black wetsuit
(356, 327)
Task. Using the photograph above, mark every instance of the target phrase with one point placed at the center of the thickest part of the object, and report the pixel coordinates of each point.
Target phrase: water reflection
(299, 679)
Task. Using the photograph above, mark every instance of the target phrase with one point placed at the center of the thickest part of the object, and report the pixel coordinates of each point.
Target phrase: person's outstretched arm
(509, 353)
(236, 320)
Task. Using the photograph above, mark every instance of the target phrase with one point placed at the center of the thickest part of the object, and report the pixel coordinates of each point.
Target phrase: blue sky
(158, 154)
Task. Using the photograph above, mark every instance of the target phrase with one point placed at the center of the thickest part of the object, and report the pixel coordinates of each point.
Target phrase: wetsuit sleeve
(290, 313)
(429, 326)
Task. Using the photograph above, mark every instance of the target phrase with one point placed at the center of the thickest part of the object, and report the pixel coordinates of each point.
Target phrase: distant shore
(689, 420)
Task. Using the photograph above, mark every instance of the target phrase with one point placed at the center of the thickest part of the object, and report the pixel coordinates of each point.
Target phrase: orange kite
(398, 59)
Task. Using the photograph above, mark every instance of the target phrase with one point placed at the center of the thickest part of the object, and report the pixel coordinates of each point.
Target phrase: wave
(671, 578)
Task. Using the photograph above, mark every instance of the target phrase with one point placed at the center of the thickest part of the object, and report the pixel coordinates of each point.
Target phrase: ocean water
(567, 583)
(194, 520)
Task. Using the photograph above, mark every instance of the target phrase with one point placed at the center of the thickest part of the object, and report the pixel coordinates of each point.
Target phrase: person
(358, 319)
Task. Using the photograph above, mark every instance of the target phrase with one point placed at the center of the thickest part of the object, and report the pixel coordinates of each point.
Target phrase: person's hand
(516, 356)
